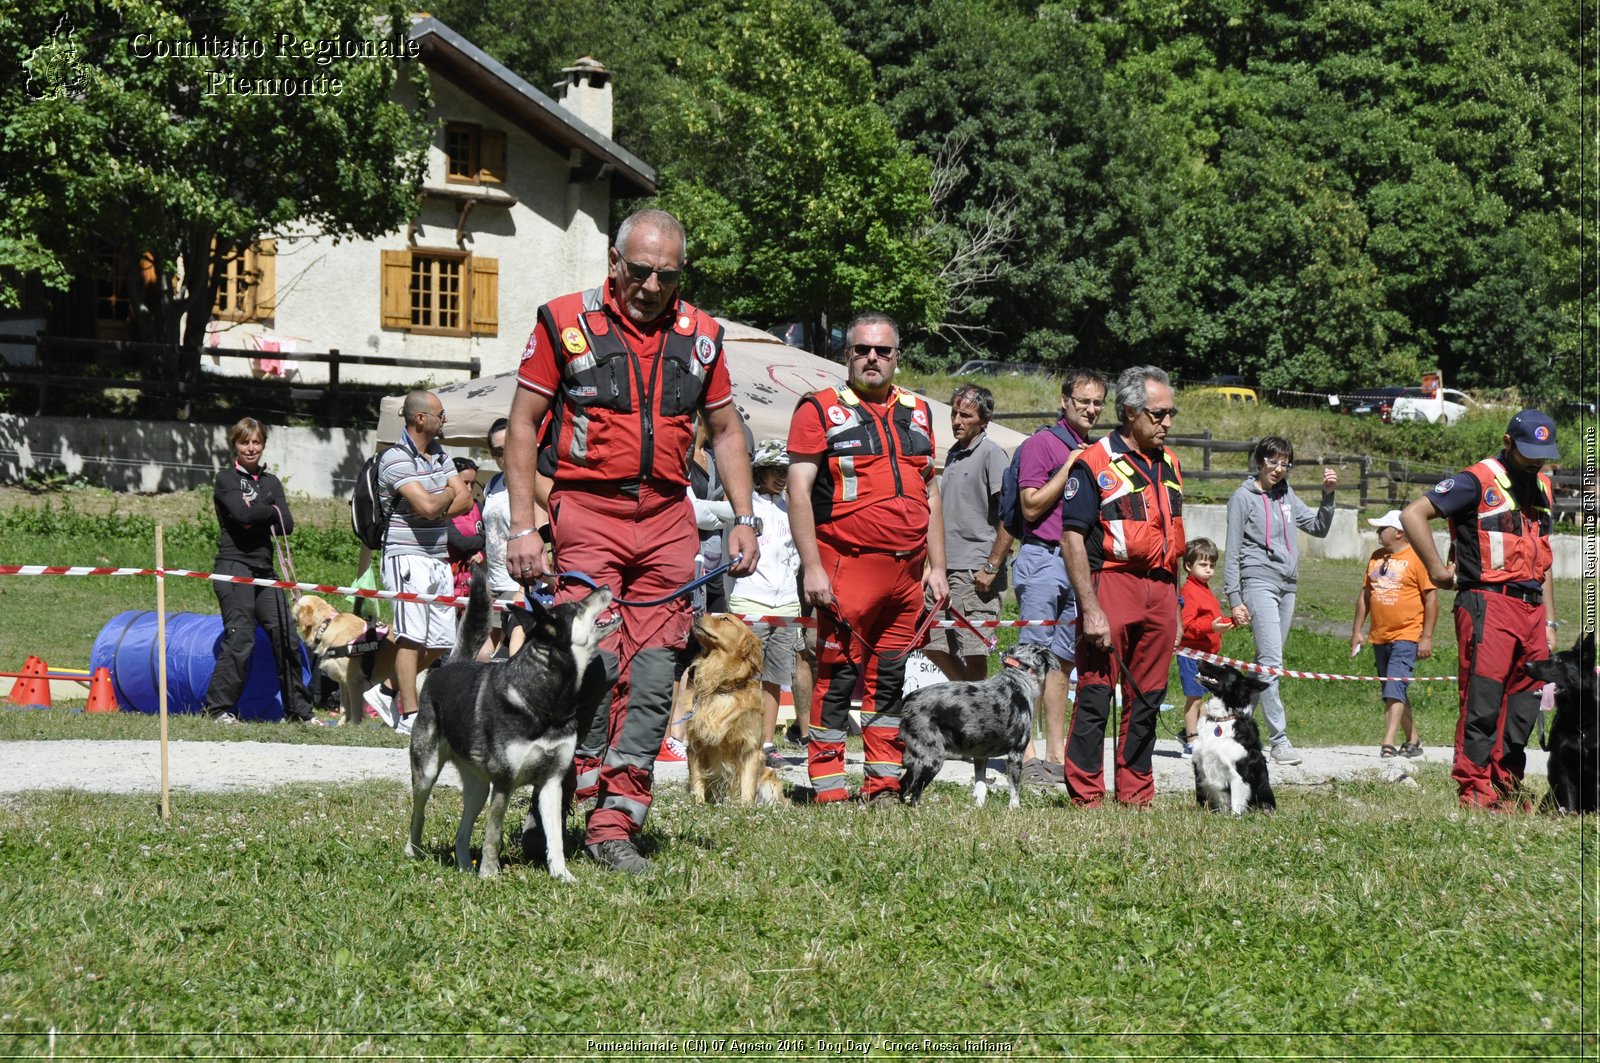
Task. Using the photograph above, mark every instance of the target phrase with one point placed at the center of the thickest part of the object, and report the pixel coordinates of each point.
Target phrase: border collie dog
(1575, 734)
(978, 720)
(1230, 771)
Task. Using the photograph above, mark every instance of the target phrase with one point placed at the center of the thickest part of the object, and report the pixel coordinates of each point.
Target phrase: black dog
(1230, 771)
(977, 721)
(1575, 734)
(506, 724)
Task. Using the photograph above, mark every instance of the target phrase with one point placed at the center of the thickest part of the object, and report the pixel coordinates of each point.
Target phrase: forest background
(1317, 194)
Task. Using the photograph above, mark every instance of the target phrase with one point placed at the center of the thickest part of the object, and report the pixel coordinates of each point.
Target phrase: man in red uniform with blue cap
(1500, 517)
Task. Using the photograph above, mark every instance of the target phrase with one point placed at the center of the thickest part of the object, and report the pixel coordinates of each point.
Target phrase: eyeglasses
(1278, 463)
(862, 350)
(641, 272)
(1162, 415)
(497, 452)
(1087, 404)
(430, 413)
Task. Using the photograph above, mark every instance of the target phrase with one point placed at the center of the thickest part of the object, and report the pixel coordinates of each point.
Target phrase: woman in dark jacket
(251, 509)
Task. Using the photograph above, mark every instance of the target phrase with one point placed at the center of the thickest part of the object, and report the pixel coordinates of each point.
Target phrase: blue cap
(1534, 435)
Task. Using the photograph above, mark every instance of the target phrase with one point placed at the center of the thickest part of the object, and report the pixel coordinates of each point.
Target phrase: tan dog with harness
(348, 650)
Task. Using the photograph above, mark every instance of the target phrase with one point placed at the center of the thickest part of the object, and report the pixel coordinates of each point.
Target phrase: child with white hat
(1403, 606)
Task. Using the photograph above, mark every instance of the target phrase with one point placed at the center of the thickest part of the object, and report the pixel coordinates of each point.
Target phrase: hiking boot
(1411, 749)
(1285, 754)
(882, 799)
(619, 854)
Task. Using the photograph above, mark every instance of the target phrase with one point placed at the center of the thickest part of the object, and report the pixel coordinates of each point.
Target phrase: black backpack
(1011, 492)
(369, 509)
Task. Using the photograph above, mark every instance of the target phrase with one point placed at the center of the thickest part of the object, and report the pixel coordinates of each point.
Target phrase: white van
(1447, 406)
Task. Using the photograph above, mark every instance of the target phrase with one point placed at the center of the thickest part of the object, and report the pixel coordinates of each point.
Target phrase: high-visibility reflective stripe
(880, 722)
(634, 809)
(883, 769)
(823, 734)
(849, 483)
(615, 758)
(589, 778)
(1119, 541)
(1497, 549)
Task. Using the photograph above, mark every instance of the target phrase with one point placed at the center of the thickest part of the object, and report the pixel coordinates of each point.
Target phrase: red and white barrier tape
(1290, 673)
(749, 618)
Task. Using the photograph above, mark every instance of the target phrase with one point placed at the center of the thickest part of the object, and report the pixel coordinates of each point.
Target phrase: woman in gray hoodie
(1261, 568)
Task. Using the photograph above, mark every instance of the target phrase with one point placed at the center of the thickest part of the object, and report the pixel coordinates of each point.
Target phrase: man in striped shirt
(423, 492)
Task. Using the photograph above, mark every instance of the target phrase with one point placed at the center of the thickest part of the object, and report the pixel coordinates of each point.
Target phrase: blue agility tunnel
(127, 646)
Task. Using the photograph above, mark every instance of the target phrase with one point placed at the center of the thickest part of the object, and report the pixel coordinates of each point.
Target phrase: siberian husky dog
(505, 724)
(1230, 771)
(989, 718)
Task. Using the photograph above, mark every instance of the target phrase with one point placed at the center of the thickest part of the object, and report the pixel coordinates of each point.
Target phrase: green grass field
(1363, 920)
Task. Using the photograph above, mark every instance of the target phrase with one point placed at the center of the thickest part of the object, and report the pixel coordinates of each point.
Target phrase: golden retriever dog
(323, 628)
(723, 733)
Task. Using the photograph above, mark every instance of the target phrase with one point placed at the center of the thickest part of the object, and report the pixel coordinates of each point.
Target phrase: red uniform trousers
(641, 548)
(878, 597)
(1497, 634)
(1142, 608)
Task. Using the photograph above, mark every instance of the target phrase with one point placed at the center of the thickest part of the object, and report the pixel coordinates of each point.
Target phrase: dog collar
(321, 628)
(1217, 722)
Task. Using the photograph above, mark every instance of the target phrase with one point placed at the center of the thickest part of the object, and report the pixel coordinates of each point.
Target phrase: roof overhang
(464, 63)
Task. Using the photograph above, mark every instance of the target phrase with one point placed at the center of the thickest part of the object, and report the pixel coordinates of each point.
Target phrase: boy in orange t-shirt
(1403, 605)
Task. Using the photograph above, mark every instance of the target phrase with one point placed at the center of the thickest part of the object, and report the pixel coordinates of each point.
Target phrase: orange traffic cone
(33, 688)
(102, 698)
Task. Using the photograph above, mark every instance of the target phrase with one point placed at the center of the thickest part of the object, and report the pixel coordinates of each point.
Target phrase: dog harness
(365, 643)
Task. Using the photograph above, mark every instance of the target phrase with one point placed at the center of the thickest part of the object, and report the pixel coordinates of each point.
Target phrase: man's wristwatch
(988, 566)
(749, 522)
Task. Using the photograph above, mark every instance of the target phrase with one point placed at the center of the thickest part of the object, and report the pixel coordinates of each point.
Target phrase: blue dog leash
(546, 597)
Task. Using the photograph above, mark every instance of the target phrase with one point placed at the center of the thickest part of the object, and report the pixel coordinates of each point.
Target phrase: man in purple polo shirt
(1040, 576)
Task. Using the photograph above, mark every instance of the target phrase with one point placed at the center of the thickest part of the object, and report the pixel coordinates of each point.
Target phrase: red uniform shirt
(1200, 611)
(889, 522)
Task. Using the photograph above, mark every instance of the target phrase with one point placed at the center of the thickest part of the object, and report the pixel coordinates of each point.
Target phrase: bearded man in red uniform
(623, 370)
(866, 521)
(1500, 517)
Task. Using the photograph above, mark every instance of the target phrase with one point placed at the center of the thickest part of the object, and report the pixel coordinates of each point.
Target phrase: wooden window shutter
(264, 294)
(397, 289)
(492, 157)
(485, 296)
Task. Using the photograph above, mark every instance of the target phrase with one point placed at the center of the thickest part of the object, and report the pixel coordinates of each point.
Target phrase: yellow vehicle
(1232, 396)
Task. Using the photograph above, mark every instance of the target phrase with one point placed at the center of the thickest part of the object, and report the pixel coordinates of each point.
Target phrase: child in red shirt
(1203, 625)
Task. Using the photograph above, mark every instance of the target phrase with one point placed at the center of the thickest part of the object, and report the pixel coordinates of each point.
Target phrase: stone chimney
(586, 91)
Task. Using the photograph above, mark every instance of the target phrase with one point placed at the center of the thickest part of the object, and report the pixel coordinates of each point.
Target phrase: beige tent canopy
(769, 377)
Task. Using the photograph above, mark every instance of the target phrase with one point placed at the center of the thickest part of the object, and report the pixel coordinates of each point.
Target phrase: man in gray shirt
(975, 543)
(423, 492)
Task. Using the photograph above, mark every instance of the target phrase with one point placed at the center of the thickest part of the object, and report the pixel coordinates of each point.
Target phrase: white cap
(1390, 519)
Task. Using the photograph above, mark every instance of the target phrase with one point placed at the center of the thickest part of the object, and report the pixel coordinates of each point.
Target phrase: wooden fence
(1379, 484)
(325, 401)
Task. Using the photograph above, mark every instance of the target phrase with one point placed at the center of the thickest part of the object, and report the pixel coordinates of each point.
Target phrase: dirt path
(135, 767)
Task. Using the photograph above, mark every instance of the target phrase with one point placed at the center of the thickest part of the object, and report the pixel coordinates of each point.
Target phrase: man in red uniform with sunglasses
(1122, 539)
(624, 370)
(866, 522)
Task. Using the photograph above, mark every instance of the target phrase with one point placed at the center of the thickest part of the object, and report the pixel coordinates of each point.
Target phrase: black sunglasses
(861, 350)
(641, 272)
(1161, 415)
